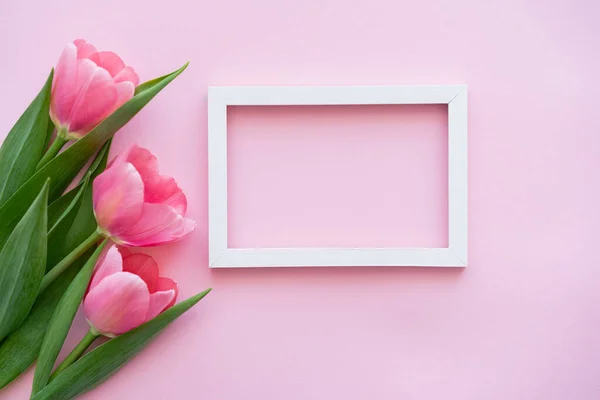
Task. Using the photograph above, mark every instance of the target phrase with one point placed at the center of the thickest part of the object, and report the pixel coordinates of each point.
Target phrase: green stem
(74, 355)
(69, 259)
(55, 147)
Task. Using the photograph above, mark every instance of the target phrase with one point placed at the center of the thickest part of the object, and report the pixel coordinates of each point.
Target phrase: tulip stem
(53, 150)
(69, 259)
(74, 355)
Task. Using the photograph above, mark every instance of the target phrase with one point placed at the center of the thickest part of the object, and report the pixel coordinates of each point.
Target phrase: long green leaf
(20, 349)
(22, 265)
(60, 229)
(64, 167)
(58, 209)
(151, 83)
(24, 146)
(61, 321)
(64, 221)
(77, 221)
(62, 207)
(106, 359)
(49, 131)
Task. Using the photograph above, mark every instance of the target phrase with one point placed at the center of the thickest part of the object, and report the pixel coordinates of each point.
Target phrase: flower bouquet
(61, 248)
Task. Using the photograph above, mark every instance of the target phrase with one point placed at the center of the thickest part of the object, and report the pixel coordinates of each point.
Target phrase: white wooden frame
(220, 255)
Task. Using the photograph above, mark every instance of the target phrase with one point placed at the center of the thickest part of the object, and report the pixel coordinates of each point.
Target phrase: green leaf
(77, 222)
(85, 221)
(20, 349)
(65, 220)
(64, 167)
(57, 210)
(61, 321)
(22, 265)
(99, 163)
(99, 364)
(57, 245)
(25, 144)
(149, 84)
(62, 207)
(49, 130)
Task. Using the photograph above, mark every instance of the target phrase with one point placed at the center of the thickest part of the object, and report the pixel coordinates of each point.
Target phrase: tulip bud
(125, 292)
(136, 206)
(88, 86)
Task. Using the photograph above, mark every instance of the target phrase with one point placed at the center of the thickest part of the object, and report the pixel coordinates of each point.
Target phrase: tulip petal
(143, 266)
(85, 90)
(159, 301)
(95, 101)
(164, 189)
(118, 197)
(85, 71)
(109, 262)
(84, 49)
(157, 188)
(108, 60)
(143, 160)
(159, 223)
(64, 86)
(127, 75)
(125, 251)
(168, 284)
(117, 304)
(125, 91)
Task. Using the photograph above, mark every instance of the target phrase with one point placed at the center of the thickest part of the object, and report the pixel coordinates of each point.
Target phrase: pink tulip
(135, 206)
(125, 292)
(88, 86)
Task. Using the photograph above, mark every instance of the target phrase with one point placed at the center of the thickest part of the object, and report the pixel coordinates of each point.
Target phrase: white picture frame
(220, 97)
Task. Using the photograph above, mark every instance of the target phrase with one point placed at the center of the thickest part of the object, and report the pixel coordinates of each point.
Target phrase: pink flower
(125, 292)
(135, 206)
(88, 86)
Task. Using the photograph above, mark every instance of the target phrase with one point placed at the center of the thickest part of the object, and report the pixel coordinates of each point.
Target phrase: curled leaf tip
(201, 295)
(45, 190)
(183, 67)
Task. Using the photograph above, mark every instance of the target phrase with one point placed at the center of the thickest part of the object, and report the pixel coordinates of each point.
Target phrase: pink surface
(347, 176)
(521, 322)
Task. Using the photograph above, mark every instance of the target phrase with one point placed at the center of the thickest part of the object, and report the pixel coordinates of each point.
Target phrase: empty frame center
(342, 176)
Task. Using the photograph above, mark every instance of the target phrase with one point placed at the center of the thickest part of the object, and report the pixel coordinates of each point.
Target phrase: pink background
(521, 322)
(343, 176)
